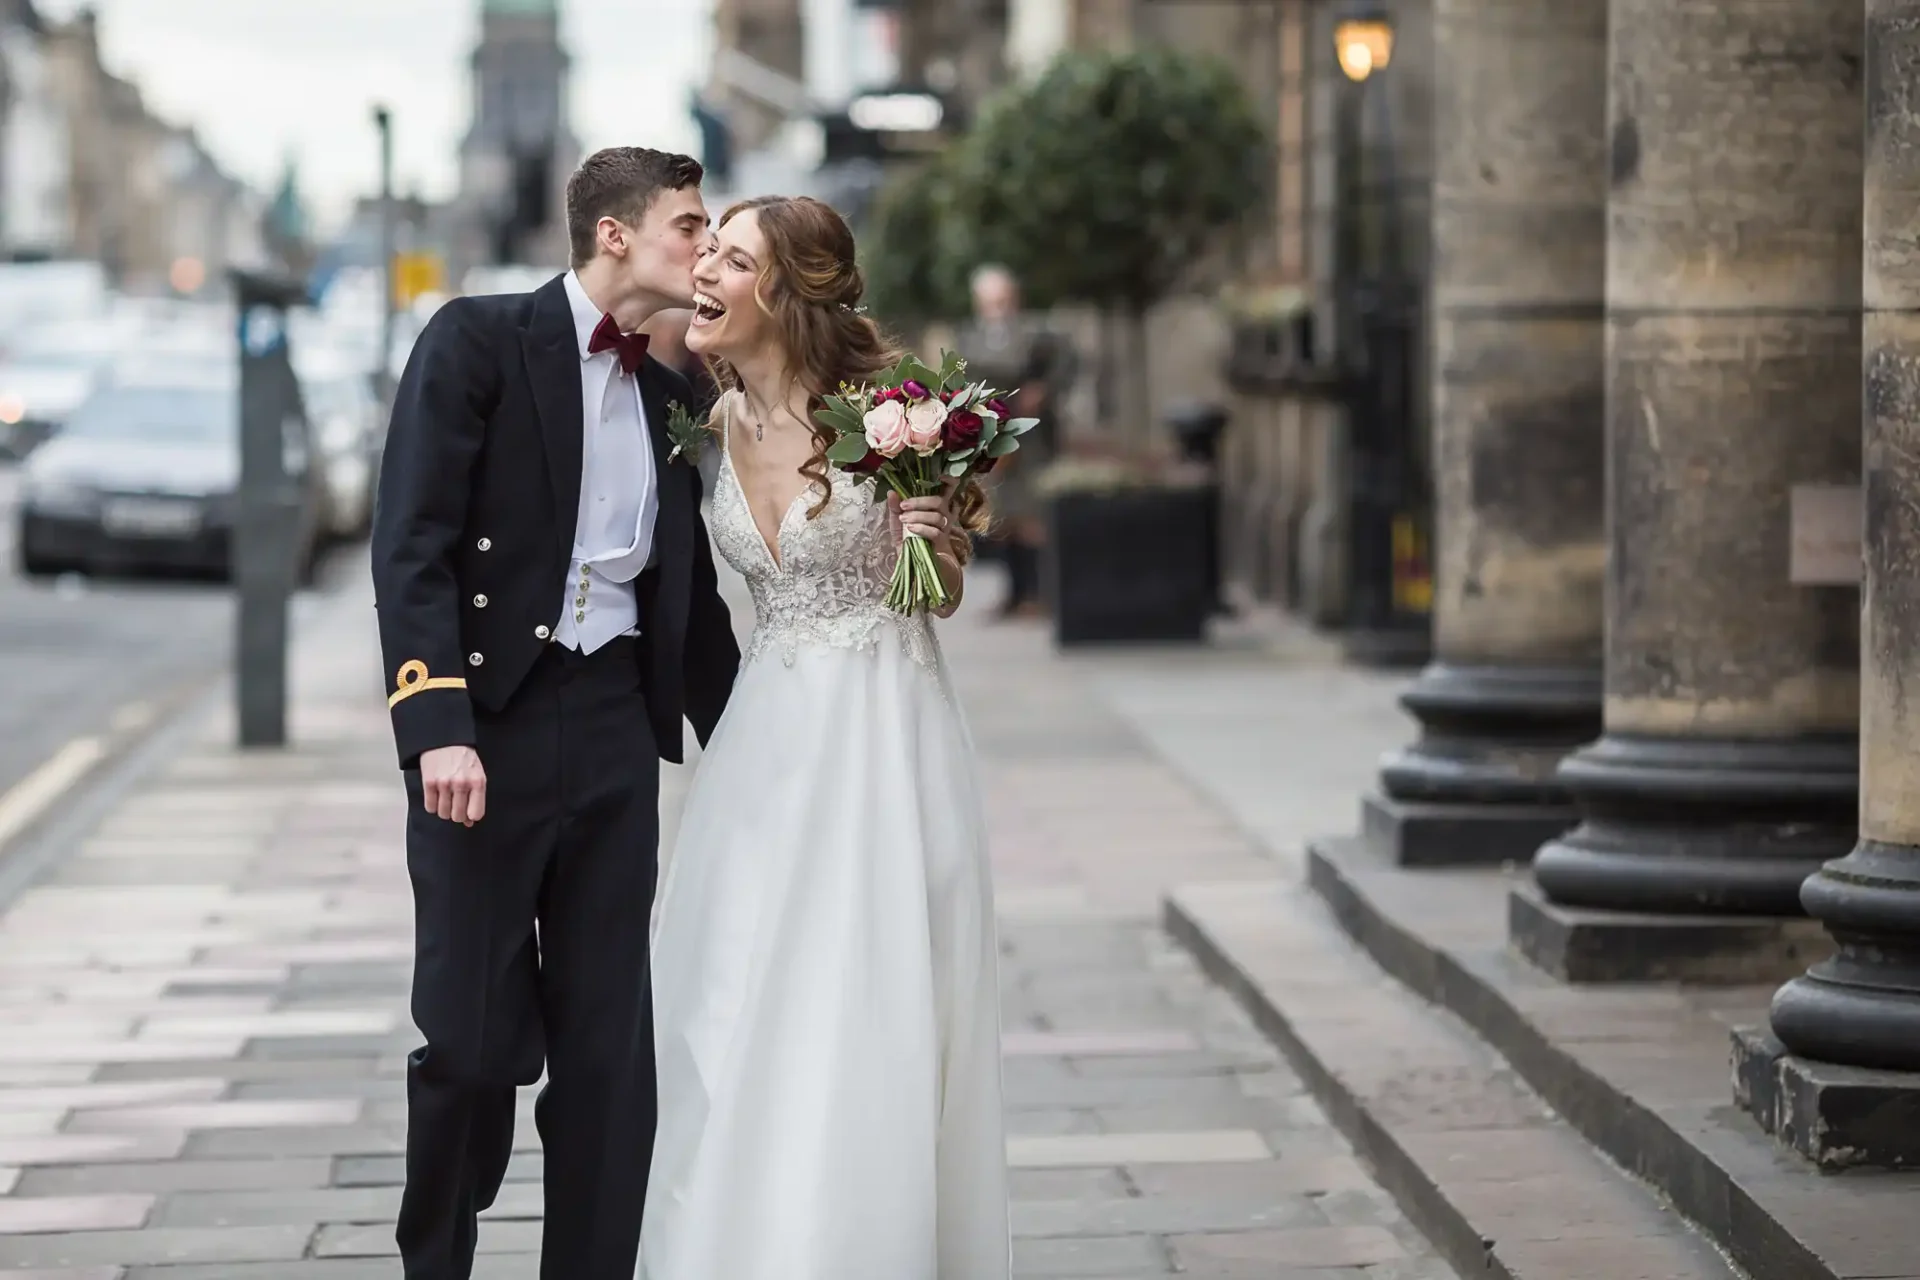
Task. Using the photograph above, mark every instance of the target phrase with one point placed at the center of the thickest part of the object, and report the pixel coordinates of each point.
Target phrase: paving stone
(24, 1215)
(354, 1171)
(194, 1117)
(165, 1177)
(1137, 1148)
(1227, 1112)
(90, 1148)
(156, 1246)
(342, 1066)
(280, 1025)
(1081, 1091)
(358, 1140)
(328, 1205)
(109, 1094)
(1238, 1067)
(1088, 1256)
(508, 1236)
(1285, 1176)
(1307, 1247)
(1165, 1215)
(1065, 1044)
(1068, 1184)
(314, 1088)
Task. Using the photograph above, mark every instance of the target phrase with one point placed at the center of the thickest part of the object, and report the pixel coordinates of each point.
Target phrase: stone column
(1862, 1007)
(1726, 774)
(1519, 274)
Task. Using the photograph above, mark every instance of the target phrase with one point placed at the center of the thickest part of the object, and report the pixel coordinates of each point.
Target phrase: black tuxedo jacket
(474, 524)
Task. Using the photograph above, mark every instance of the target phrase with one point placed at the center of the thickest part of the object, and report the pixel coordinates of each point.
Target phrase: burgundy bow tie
(631, 346)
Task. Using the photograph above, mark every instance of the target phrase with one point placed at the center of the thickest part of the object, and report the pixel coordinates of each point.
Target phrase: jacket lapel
(674, 527)
(553, 365)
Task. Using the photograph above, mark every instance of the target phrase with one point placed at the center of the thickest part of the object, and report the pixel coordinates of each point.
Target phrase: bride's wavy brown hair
(810, 285)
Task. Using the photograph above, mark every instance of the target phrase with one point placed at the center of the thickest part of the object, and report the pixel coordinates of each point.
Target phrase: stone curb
(1773, 1213)
(1445, 1126)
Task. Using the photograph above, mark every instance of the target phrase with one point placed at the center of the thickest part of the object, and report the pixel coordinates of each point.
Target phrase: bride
(825, 985)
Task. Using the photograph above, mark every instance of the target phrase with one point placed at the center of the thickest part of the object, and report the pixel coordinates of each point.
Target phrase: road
(75, 654)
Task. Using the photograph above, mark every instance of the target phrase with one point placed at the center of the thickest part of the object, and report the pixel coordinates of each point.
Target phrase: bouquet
(913, 431)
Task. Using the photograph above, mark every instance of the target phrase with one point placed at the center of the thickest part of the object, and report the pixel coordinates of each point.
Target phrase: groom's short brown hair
(621, 183)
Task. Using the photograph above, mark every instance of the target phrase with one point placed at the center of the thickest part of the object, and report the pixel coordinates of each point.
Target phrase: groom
(548, 615)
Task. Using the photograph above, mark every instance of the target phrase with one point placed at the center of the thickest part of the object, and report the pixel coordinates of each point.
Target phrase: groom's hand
(455, 784)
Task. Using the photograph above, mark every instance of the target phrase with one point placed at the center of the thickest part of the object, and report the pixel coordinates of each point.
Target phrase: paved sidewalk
(206, 1000)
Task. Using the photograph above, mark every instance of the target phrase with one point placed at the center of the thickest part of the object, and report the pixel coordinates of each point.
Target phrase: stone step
(1501, 1185)
(1643, 1070)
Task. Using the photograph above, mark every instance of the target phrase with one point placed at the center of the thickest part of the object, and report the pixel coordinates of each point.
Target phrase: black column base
(1837, 1117)
(1458, 835)
(1478, 788)
(1493, 735)
(1679, 826)
(1577, 945)
(1862, 1007)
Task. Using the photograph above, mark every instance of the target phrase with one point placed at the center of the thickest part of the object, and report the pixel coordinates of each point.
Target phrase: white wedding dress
(826, 1004)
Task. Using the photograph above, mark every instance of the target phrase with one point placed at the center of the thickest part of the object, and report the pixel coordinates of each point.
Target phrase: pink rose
(925, 423)
(886, 425)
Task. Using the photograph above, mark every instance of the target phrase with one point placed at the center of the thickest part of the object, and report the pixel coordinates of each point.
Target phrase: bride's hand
(929, 518)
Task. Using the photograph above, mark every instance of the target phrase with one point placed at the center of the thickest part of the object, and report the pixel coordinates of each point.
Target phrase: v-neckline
(771, 547)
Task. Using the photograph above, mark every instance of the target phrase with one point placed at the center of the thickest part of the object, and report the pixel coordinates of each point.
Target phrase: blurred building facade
(88, 171)
(520, 147)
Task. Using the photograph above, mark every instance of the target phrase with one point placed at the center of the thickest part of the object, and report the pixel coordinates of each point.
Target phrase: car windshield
(158, 415)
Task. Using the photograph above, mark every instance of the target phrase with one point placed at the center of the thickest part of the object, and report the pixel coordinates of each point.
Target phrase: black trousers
(531, 949)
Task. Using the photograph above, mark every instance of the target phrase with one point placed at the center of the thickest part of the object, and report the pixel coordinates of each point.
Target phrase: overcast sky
(261, 78)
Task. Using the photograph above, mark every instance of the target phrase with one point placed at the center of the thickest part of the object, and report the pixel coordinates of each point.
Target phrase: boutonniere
(687, 432)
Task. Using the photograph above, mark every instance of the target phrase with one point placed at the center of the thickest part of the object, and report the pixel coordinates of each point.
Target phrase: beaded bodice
(829, 584)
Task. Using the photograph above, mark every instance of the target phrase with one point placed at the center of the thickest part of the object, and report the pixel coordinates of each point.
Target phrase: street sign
(415, 274)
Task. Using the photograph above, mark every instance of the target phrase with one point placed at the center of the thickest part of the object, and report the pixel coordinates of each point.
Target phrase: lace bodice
(829, 586)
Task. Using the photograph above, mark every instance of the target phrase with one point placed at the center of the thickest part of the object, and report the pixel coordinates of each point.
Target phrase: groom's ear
(613, 237)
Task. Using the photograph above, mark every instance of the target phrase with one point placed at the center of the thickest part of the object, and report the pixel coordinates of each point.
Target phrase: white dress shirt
(619, 495)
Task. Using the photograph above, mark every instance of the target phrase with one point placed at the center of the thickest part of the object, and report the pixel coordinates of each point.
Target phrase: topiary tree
(1107, 179)
(913, 252)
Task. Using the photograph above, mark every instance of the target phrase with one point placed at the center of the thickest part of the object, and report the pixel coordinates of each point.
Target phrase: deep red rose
(985, 465)
(999, 407)
(962, 430)
(867, 465)
(946, 397)
(916, 390)
(889, 393)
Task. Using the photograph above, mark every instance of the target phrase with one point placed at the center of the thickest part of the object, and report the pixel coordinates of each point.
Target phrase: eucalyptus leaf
(959, 466)
(848, 448)
(1019, 426)
(1003, 446)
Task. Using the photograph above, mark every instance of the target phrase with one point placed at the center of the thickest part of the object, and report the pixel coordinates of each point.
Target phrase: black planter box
(1129, 566)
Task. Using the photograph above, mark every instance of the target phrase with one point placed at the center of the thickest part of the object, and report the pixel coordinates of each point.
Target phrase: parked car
(38, 392)
(143, 477)
(347, 435)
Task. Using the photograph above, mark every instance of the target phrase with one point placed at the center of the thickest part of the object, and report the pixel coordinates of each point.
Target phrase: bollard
(270, 504)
